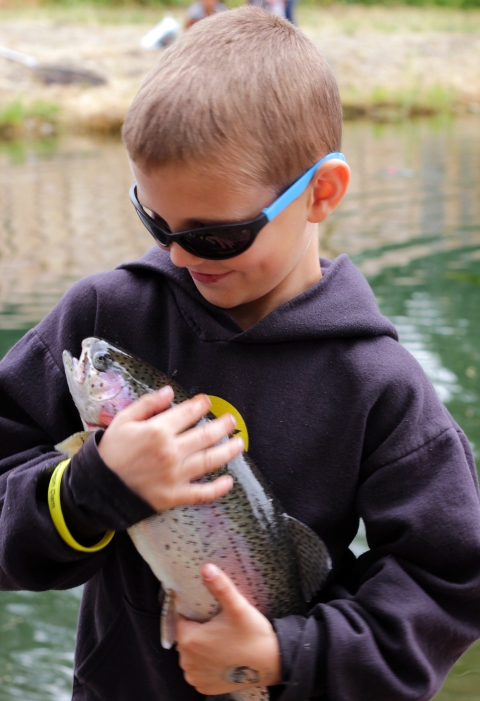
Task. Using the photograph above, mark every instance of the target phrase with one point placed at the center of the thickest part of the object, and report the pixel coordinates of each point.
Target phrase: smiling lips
(206, 278)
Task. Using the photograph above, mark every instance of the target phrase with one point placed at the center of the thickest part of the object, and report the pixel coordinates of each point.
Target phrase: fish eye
(101, 360)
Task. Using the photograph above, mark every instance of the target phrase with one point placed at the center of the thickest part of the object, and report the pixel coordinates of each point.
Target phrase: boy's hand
(154, 450)
(236, 649)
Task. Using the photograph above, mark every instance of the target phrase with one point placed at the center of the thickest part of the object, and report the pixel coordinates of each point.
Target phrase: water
(65, 213)
(411, 221)
(37, 634)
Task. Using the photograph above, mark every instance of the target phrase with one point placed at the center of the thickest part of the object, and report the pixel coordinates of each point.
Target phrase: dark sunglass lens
(156, 230)
(218, 245)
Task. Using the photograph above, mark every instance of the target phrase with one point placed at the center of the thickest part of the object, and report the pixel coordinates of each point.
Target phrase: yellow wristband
(57, 514)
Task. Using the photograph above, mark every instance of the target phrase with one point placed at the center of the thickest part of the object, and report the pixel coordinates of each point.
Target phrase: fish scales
(208, 533)
(275, 561)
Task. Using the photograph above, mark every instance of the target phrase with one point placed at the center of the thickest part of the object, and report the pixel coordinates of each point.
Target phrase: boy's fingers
(207, 434)
(205, 493)
(223, 589)
(185, 415)
(147, 406)
(205, 461)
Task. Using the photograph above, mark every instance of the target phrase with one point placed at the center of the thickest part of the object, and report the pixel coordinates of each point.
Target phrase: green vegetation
(463, 682)
(394, 105)
(96, 12)
(321, 3)
(418, 3)
(351, 18)
(19, 120)
(182, 3)
(341, 17)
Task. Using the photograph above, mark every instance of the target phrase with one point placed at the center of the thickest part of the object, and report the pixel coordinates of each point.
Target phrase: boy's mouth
(207, 278)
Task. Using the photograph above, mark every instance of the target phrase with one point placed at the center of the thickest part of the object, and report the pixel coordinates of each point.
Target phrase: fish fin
(313, 559)
(167, 621)
(70, 446)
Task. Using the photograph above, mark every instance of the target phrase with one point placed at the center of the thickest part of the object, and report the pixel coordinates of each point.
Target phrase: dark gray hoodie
(343, 424)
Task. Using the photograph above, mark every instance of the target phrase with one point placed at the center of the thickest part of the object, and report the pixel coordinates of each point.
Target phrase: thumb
(224, 590)
(147, 406)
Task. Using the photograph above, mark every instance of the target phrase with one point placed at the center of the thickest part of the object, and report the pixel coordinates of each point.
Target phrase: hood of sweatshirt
(340, 305)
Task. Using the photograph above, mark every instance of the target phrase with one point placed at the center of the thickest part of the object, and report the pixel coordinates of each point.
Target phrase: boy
(341, 419)
(276, 7)
(202, 9)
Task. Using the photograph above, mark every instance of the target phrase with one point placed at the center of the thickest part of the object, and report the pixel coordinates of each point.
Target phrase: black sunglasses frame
(193, 240)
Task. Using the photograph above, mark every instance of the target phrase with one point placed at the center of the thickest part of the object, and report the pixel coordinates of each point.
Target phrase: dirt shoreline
(384, 76)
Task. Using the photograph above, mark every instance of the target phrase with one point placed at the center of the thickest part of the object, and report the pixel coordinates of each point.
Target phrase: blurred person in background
(289, 5)
(275, 7)
(201, 9)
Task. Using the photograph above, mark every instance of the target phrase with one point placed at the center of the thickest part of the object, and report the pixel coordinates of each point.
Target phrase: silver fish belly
(243, 533)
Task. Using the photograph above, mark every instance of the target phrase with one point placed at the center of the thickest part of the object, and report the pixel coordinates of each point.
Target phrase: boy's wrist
(79, 526)
(57, 513)
(95, 497)
(300, 640)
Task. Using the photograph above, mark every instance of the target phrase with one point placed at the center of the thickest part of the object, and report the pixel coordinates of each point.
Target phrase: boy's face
(281, 263)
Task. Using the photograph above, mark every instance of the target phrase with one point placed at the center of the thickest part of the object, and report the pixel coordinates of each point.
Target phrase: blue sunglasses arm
(297, 188)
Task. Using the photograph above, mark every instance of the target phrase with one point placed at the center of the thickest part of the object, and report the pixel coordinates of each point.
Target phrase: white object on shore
(18, 57)
(162, 34)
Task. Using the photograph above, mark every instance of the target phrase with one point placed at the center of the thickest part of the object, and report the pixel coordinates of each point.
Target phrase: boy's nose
(182, 258)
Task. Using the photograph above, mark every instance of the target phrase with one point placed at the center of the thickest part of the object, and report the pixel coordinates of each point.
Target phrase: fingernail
(203, 399)
(165, 390)
(234, 420)
(240, 442)
(210, 572)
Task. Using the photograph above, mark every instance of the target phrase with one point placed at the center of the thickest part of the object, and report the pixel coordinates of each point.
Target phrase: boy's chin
(219, 299)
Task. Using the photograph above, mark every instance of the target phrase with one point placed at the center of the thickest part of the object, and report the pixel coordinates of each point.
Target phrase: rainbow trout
(276, 562)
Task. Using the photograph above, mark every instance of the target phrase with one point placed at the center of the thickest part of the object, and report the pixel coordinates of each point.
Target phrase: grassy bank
(391, 63)
(462, 4)
(17, 120)
(343, 17)
(338, 17)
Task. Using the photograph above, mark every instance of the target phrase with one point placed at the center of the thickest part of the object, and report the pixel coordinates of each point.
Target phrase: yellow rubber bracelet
(57, 514)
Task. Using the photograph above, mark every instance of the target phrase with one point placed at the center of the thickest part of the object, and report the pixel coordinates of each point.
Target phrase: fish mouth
(74, 368)
(80, 372)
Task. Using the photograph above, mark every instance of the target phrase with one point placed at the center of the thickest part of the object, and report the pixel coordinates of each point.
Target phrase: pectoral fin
(70, 446)
(167, 621)
(313, 559)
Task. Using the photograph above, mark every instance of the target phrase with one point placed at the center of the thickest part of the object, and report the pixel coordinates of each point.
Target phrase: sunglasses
(224, 241)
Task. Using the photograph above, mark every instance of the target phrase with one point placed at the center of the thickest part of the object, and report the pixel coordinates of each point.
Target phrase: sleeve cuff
(96, 497)
(303, 645)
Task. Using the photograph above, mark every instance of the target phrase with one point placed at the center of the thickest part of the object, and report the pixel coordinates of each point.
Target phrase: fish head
(100, 382)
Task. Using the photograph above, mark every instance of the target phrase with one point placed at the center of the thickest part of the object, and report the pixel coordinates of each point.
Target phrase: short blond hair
(244, 90)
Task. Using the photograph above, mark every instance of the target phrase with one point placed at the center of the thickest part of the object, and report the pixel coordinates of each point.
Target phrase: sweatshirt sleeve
(394, 623)
(36, 412)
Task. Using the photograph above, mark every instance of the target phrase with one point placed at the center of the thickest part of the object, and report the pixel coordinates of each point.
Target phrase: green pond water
(411, 221)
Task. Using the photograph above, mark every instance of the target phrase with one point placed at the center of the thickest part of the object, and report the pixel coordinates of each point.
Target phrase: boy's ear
(327, 189)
